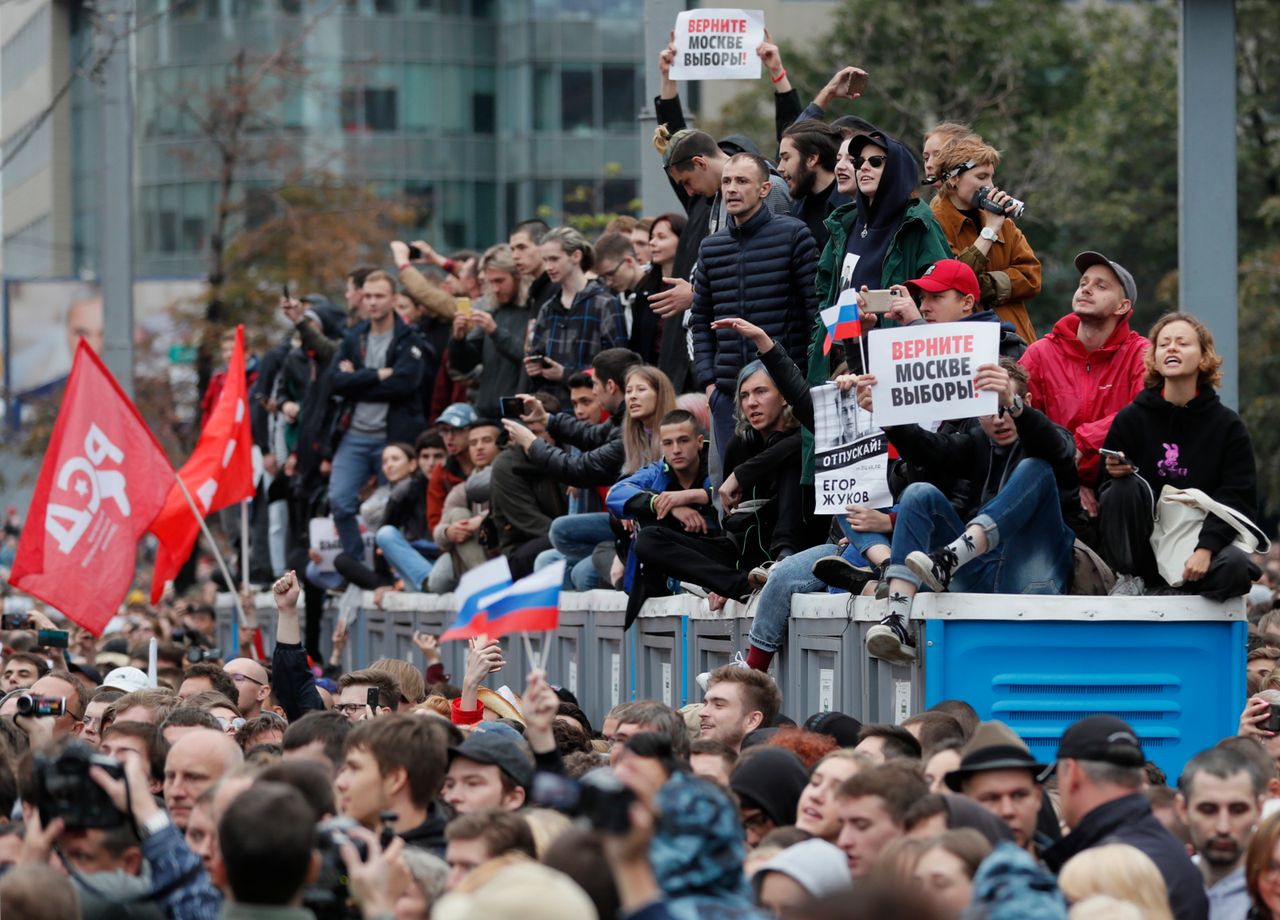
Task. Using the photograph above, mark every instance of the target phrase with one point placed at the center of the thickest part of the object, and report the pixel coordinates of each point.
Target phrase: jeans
(575, 537)
(859, 542)
(722, 423)
(329, 581)
(793, 575)
(358, 457)
(1029, 548)
(404, 557)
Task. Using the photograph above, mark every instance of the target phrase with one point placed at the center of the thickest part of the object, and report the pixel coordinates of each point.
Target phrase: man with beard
(1220, 801)
(807, 160)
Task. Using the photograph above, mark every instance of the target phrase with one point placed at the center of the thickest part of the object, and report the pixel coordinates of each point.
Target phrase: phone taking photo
(511, 407)
(1118, 457)
(878, 301)
(464, 305)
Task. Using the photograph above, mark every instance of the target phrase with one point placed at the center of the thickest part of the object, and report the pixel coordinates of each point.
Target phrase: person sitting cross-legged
(677, 533)
(1016, 541)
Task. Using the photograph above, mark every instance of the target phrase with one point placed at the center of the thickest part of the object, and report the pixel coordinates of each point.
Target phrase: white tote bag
(1180, 513)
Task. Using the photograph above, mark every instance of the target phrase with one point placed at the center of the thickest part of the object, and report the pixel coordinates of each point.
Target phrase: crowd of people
(639, 406)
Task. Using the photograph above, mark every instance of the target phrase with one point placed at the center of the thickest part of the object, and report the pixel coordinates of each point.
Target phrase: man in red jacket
(1090, 366)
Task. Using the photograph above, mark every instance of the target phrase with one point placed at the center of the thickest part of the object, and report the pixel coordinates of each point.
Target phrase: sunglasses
(876, 161)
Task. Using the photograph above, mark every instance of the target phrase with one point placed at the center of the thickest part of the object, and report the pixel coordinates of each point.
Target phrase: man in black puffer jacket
(759, 267)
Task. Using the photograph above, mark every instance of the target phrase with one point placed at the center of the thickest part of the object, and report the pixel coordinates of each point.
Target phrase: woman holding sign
(1177, 434)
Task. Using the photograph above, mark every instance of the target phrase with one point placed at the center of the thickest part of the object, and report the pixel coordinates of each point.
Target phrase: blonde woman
(648, 396)
(1118, 870)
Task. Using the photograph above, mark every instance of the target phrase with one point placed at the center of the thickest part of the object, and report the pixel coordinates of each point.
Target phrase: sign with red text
(718, 45)
(925, 373)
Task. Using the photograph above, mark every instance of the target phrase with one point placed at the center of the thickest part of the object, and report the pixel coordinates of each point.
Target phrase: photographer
(491, 336)
(57, 701)
(106, 864)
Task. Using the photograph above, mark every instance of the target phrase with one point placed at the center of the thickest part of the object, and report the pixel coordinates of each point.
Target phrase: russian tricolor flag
(472, 594)
(530, 605)
(842, 320)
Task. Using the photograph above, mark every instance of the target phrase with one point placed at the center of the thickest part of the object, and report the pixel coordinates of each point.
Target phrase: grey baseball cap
(1087, 259)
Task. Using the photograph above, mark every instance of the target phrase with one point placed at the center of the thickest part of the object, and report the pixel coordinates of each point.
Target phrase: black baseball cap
(491, 748)
(1090, 258)
(1102, 737)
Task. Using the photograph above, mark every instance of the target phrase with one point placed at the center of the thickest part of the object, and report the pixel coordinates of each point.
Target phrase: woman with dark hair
(665, 333)
(1177, 432)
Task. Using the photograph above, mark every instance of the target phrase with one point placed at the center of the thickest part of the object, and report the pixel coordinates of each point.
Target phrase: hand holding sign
(929, 373)
(715, 44)
(992, 378)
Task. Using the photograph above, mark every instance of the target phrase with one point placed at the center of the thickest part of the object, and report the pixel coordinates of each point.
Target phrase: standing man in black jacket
(378, 369)
(759, 267)
(1100, 781)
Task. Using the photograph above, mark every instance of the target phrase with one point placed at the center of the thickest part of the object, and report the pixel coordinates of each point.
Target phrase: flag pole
(528, 647)
(244, 565)
(222, 563)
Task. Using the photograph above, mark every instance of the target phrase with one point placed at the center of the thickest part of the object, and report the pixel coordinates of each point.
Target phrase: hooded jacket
(818, 867)
(1083, 390)
(772, 780)
(1008, 275)
(1129, 820)
(523, 499)
(400, 391)
(763, 271)
(1202, 445)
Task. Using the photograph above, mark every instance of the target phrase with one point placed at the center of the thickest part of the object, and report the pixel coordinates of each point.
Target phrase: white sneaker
(696, 590)
(739, 661)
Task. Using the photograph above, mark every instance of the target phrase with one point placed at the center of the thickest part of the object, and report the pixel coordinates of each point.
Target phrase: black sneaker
(890, 640)
(839, 572)
(934, 568)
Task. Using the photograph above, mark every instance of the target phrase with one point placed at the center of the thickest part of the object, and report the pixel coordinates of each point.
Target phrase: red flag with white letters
(103, 482)
(219, 473)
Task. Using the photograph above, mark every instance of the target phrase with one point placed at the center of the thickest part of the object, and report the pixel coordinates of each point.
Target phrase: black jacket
(599, 464)
(1202, 445)
(1129, 820)
(971, 455)
(400, 391)
(407, 508)
(762, 271)
(429, 835)
(816, 207)
(523, 500)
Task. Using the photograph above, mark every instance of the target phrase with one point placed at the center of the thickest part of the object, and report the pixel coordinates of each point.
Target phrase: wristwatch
(988, 234)
(1014, 408)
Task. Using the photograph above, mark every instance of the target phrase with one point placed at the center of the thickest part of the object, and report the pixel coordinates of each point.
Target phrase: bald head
(253, 685)
(196, 761)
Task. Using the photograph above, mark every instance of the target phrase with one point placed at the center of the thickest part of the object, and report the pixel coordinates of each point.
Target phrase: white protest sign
(718, 45)
(324, 540)
(850, 454)
(925, 373)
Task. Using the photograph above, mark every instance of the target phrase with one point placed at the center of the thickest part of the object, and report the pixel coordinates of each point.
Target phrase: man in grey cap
(1100, 780)
(998, 772)
(491, 769)
(1091, 365)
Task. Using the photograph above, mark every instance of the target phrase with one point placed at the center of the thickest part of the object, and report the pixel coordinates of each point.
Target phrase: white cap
(127, 679)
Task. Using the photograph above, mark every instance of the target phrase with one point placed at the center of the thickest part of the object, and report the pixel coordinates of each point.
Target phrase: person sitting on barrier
(1178, 434)
(736, 702)
(403, 538)
(871, 807)
(452, 424)
(464, 531)
(669, 507)
(524, 501)
(575, 537)
(1017, 541)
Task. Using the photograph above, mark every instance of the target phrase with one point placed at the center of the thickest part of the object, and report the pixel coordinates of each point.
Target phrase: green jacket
(918, 243)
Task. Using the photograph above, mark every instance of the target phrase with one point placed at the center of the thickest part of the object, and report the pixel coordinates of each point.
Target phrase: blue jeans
(859, 542)
(1029, 548)
(358, 457)
(404, 557)
(575, 537)
(722, 422)
(328, 581)
(793, 575)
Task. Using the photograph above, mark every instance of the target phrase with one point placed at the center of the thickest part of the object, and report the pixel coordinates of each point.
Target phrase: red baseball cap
(948, 275)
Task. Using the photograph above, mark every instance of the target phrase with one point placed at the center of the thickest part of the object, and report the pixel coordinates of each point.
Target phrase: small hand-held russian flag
(842, 320)
(490, 605)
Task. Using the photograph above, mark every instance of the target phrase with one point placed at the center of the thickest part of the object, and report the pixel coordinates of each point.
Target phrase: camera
(64, 789)
(415, 253)
(1273, 719)
(600, 797)
(197, 654)
(511, 407)
(32, 704)
(329, 896)
(1011, 208)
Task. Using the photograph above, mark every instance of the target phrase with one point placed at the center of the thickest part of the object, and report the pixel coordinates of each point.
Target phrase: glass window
(420, 197)
(451, 98)
(579, 196)
(621, 196)
(417, 97)
(386, 7)
(483, 101)
(167, 230)
(195, 207)
(484, 229)
(456, 213)
(578, 98)
(621, 92)
(380, 109)
(546, 98)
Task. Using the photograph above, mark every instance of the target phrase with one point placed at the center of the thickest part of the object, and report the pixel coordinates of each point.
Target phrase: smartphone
(1116, 455)
(511, 407)
(877, 301)
(464, 305)
(15, 620)
(1273, 719)
(543, 360)
(856, 83)
(53, 638)
(371, 699)
(415, 253)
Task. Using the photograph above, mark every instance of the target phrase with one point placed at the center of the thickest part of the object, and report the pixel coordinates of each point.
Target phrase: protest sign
(718, 45)
(324, 540)
(850, 454)
(925, 373)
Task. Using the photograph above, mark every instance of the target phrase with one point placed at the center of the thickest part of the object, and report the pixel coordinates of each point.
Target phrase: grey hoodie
(818, 867)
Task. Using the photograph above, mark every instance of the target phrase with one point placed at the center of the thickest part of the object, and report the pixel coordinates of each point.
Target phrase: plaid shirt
(170, 860)
(574, 336)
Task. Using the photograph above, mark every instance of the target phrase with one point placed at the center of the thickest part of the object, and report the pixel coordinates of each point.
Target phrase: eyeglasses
(234, 724)
(348, 708)
(608, 276)
(241, 678)
(876, 161)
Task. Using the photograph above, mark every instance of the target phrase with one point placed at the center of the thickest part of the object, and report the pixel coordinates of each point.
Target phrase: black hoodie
(1202, 445)
(877, 222)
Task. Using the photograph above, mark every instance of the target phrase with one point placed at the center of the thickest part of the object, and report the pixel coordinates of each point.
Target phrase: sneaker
(1129, 586)
(934, 568)
(696, 590)
(891, 641)
(757, 577)
(839, 572)
(739, 661)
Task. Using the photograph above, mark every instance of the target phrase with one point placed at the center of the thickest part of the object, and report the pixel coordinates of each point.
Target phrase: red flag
(103, 481)
(219, 473)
